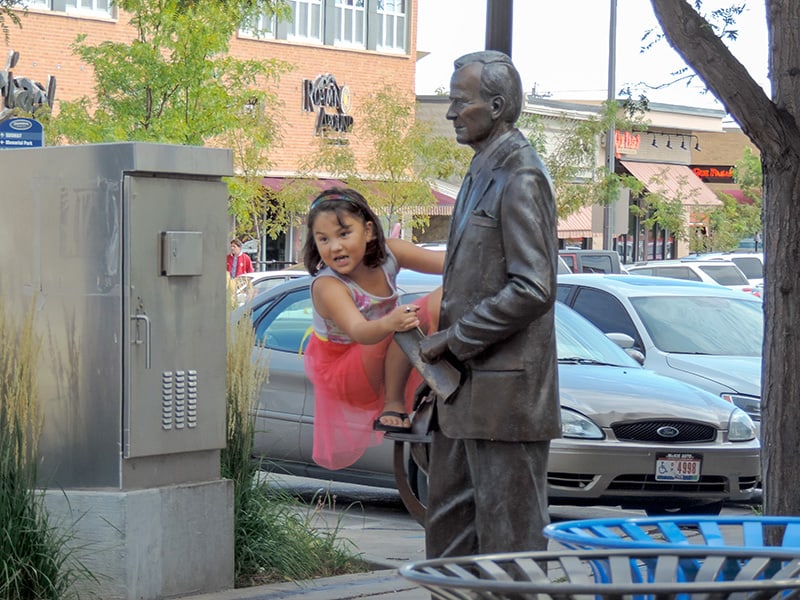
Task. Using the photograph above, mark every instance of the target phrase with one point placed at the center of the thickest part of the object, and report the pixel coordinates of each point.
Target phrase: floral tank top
(372, 307)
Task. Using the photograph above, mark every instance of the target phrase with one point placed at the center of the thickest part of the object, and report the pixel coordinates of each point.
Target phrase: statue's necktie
(463, 205)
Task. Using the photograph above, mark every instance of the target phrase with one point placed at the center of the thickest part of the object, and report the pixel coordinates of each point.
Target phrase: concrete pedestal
(151, 543)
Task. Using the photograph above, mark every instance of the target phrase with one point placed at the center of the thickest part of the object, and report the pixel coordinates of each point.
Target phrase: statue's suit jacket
(498, 303)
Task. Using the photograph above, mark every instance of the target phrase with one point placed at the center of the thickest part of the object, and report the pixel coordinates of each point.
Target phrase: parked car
(702, 334)
(630, 437)
(750, 263)
(250, 247)
(250, 284)
(719, 272)
(591, 261)
(563, 267)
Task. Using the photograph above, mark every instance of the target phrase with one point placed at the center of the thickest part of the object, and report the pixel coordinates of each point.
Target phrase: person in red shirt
(238, 262)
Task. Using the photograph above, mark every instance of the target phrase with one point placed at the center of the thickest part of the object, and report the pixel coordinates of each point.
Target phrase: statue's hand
(433, 346)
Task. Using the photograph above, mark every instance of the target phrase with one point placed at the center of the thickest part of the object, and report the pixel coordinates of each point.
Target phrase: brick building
(353, 48)
(363, 45)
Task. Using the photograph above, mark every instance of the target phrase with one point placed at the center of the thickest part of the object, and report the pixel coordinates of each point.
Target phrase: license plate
(678, 466)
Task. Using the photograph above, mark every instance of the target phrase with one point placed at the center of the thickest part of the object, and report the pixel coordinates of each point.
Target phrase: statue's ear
(498, 105)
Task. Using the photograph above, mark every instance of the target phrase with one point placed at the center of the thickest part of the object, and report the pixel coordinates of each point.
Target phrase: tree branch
(694, 40)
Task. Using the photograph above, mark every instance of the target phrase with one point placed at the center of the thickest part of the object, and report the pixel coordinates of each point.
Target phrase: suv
(591, 261)
(751, 263)
(719, 272)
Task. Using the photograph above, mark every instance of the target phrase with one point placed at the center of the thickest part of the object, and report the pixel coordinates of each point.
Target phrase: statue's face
(471, 115)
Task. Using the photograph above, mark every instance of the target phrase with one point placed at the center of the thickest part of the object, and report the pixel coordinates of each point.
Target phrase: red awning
(443, 199)
(576, 225)
(673, 181)
(739, 196)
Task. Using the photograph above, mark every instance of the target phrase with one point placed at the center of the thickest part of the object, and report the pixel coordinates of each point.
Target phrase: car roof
(275, 273)
(407, 282)
(642, 285)
(731, 256)
(679, 262)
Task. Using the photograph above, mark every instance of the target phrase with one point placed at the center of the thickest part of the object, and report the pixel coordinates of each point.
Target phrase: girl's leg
(398, 367)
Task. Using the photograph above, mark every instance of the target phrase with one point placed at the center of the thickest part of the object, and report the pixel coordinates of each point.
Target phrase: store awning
(673, 181)
(444, 202)
(576, 225)
(739, 196)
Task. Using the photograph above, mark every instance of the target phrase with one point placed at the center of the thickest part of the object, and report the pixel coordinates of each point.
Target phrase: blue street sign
(21, 132)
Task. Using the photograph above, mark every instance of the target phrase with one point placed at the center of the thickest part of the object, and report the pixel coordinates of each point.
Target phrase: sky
(561, 47)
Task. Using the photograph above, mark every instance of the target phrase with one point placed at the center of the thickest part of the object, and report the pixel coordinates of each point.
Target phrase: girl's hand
(404, 317)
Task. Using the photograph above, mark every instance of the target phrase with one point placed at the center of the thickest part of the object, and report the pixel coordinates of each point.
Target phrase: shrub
(274, 539)
(35, 559)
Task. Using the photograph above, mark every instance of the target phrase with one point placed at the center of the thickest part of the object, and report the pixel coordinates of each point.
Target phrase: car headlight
(749, 404)
(740, 427)
(575, 425)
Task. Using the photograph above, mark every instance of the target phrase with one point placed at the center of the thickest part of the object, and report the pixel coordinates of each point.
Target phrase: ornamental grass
(274, 539)
(36, 559)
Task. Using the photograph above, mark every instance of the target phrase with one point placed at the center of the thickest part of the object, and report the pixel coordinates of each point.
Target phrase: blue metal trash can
(747, 533)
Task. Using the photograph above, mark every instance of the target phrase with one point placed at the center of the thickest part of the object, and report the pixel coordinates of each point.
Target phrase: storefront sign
(322, 95)
(626, 142)
(713, 174)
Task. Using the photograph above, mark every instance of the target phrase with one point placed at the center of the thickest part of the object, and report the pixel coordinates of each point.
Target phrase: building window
(351, 19)
(43, 4)
(392, 20)
(264, 27)
(306, 20)
(89, 7)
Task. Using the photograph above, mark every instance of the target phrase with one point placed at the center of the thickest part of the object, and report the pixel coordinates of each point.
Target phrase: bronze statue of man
(488, 463)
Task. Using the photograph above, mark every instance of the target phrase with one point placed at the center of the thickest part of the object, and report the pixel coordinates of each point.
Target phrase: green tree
(773, 125)
(655, 208)
(570, 153)
(174, 83)
(257, 211)
(7, 12)
(735, 220)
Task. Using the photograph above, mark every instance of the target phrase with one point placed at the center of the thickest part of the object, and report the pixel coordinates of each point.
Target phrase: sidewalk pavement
(385, 539)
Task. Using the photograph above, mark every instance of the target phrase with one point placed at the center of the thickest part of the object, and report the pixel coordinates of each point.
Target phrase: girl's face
(341, 246)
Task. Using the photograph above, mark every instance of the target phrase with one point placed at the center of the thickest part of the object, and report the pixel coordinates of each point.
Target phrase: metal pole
(608, 211)
(499, 21)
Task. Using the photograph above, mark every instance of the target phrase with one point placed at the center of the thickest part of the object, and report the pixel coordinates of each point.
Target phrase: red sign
(626, 142)
(714, 174)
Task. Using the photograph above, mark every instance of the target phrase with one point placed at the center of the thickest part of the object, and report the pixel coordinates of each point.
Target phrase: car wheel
(711, 509)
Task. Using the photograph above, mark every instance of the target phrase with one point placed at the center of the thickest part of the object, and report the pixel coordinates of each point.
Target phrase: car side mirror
(626, 342)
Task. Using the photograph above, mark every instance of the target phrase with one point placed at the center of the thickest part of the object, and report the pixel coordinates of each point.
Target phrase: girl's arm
(332, 300)
(415, 258)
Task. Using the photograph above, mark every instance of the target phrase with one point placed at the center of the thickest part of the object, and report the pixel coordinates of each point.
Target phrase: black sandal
(378, 426)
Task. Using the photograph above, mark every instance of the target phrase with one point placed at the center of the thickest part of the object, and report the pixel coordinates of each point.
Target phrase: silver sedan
(631, 438)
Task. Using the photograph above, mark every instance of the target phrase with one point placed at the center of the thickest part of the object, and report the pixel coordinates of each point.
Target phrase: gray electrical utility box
(121, 248)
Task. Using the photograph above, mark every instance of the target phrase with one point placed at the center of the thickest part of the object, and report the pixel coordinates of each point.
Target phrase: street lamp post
(499, 21)
(608, 211)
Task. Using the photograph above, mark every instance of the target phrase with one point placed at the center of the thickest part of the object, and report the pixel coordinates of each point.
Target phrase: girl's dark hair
(343, 201)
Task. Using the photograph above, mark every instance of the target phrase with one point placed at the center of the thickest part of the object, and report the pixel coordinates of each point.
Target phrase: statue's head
(499, 77)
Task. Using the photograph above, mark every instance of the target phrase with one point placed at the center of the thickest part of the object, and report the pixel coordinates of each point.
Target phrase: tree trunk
(780, 381)
(772, 126)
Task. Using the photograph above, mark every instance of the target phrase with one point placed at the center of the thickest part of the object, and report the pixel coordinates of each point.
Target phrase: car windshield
(580, 341)
(702, 324)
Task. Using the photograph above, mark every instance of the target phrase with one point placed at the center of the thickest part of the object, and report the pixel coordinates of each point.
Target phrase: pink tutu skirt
(345, 402)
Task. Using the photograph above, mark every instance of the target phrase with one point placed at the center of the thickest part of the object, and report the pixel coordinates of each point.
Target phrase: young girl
(361, 379)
